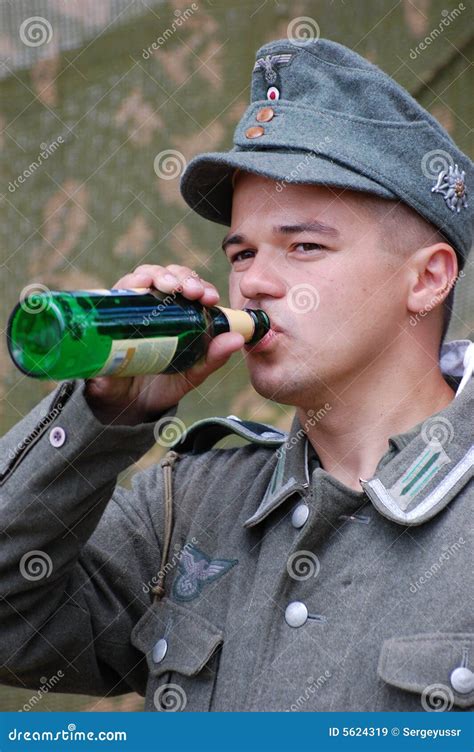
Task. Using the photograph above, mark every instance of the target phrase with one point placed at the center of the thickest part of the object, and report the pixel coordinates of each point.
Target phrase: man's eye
(236, 257)
(310, 246)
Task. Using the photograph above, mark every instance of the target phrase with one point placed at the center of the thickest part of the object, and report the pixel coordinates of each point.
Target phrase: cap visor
(206, 184)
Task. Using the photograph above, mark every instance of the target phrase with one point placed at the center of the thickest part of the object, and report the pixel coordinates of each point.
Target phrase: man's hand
(130, 400)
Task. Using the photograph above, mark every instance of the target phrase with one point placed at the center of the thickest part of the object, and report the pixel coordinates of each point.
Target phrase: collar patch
(418, 474)
(427, 507)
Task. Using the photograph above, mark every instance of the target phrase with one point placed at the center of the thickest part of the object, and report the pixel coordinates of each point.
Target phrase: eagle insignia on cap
(451, 184)
(266, 64)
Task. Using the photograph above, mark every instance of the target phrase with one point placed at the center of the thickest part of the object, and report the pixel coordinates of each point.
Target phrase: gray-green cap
(321, 114)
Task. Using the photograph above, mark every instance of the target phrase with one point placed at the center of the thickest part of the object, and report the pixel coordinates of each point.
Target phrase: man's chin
(273, 388)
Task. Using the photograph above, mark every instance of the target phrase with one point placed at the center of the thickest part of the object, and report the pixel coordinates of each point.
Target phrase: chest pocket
(182, 651)
(423, 665)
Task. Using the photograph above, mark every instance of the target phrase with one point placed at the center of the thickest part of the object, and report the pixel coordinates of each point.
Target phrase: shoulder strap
(199, 437)
(204, 434)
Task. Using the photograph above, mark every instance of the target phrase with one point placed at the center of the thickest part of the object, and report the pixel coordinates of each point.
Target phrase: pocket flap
(190, 638)
(424, 663)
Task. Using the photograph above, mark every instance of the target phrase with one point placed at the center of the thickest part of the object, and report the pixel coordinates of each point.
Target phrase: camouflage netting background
(80, 84)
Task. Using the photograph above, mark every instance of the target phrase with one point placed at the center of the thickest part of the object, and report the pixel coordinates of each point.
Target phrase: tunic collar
(423, 468)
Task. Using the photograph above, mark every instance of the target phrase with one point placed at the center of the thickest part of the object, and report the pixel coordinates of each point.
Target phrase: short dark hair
(404, 231)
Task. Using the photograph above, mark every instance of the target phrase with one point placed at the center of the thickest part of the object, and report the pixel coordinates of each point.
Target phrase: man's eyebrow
(307, 227)
(320, 227)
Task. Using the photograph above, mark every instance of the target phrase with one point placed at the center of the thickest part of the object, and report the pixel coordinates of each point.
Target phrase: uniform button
(300, 515)
(160, 650)
(255, 131)
(265, 114)
(296, 614)
(57, 436)
(462, 680)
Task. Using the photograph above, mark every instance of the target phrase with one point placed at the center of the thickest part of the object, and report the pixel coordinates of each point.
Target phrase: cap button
(265, 114)
(255, 131)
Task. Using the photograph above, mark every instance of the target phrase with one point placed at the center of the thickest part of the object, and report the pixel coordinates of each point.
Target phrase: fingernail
(170, 278)
(193, 284)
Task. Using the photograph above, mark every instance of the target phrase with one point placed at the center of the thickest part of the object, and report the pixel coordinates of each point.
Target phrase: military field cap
(321, 114)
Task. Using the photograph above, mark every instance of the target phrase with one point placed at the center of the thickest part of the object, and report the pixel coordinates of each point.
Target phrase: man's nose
(263, 277)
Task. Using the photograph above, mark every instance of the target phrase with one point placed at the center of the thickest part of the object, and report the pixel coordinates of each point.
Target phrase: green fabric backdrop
(104, 108)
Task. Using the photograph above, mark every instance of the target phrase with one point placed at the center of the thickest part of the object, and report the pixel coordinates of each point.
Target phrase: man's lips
(273, 333)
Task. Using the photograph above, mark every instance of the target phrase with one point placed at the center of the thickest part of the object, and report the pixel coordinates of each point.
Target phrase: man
(324, 570)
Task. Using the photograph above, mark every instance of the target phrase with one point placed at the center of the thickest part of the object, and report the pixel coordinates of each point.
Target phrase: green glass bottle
(84, 333)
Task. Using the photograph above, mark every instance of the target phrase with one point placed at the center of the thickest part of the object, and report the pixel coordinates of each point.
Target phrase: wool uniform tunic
(283, 588)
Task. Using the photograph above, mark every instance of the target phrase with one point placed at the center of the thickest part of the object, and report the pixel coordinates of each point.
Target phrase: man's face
(336, 295)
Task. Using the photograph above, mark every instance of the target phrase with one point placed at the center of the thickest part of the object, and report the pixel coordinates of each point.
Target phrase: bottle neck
(253, 325)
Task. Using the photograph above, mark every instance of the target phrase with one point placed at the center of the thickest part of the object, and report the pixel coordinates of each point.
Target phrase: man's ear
(433, 272)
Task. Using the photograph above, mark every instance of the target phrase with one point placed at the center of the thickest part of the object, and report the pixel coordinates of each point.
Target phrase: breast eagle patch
(195, 570)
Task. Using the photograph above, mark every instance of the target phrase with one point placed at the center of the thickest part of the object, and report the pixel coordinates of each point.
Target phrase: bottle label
(130, 357)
